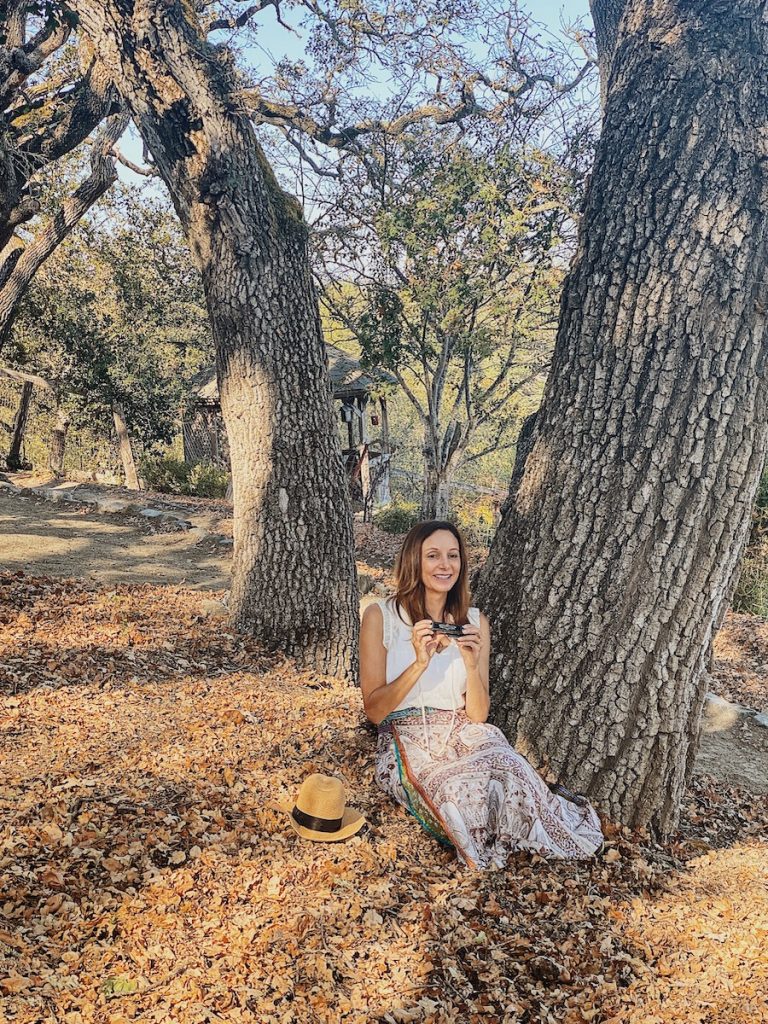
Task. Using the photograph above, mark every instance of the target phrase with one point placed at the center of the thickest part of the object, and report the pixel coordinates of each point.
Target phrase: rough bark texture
(294, 574)
(624, 527)
(606, 15)
(13, 460)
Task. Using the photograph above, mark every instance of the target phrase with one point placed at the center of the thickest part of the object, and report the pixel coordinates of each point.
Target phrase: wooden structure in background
(366, 454)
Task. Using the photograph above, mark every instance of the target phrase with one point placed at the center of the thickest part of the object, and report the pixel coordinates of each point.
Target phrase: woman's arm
(379, 697)
(475, 647)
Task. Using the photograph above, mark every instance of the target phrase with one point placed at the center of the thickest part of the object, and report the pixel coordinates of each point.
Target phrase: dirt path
(66, 540)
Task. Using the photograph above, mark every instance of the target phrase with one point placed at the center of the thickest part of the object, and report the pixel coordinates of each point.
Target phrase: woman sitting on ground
(428, 694)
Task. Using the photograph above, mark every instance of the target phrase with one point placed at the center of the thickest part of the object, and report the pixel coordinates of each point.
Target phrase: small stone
(214, 609)
(365, 583)
(761, 719)
(178, 521)
(150, 513)
(111, 505)
(719, 714)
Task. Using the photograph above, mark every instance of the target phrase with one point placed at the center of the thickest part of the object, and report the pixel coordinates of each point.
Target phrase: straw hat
(320, 812)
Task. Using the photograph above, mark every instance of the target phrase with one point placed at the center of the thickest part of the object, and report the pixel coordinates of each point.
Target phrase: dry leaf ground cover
(146, 876)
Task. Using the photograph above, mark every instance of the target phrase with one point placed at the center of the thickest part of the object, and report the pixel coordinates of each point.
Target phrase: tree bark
(626, 519)
(606, 15)
(294, 574)
(435, 497)
(13, 460)
(126, 450)
(58, 443)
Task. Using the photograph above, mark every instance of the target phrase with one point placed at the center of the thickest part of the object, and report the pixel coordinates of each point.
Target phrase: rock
(174, 519)
(198, 534)
(109, 506)
(150, 513)
(365, 583)
(720, 714)
(225, 540)
(761, 719)
(214, 609)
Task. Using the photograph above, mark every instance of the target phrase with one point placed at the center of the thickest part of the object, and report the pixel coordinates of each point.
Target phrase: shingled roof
(348, 378)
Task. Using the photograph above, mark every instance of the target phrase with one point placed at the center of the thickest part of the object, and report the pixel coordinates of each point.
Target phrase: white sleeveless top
(444, 681)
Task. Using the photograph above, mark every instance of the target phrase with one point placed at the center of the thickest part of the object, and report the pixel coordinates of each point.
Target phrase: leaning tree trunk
(126, 448)
(623, 529)
(13, 459)
(294, 573)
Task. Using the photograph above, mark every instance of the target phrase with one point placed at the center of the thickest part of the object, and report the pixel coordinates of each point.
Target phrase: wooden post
(384, 426)
(126, 452)
(362, 426)
(384, 493)
(13, 460)
(58, 442)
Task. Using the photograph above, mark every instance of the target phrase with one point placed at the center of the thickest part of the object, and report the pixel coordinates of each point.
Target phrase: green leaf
(113, 988)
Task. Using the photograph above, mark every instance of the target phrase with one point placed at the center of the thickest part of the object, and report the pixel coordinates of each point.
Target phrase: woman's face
(440, 561)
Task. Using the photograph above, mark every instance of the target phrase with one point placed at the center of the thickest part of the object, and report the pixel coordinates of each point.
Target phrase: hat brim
(352, 822)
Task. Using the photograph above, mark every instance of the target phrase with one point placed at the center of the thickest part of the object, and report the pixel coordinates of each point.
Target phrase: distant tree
(116, 322)
(451, 256)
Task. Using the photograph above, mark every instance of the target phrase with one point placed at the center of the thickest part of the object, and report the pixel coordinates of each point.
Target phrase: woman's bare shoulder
(373, 617)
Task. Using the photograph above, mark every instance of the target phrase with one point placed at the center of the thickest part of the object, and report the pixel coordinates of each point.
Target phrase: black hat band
(316, 824)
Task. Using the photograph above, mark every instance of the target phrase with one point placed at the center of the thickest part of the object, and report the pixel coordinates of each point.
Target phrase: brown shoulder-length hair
(409, 594)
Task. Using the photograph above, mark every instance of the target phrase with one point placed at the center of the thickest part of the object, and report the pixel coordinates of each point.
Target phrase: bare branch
(146, 171)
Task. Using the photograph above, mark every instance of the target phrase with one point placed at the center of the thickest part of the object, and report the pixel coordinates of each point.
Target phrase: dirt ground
(69, 541)
(65, 540)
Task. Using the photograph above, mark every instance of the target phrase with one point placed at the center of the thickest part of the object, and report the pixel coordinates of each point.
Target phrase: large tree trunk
(126, 449)
(294, 573)
(13, 459)
(622, 533)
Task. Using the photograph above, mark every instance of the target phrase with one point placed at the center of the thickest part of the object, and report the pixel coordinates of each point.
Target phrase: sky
(552, 13)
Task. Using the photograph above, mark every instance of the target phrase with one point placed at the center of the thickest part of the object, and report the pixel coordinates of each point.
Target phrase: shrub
(751, 593)
(207, 481)
(752, 590)
(174, 476)
(165, 474)
(398, 517)
(477, 521)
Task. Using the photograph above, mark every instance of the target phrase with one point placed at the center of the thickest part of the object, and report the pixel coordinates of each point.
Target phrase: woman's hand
(469, 645)
(424, 642)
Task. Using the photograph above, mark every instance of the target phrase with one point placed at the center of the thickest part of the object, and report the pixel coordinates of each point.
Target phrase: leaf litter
(146, 873)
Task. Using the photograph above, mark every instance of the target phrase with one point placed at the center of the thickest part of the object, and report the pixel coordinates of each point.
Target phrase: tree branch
(103, 174)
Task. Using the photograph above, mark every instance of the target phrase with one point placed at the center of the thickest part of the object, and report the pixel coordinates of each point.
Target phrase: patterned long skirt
(471, 790)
